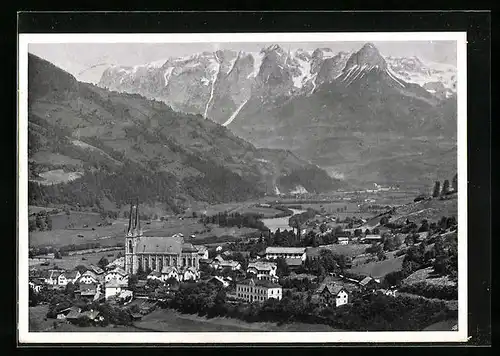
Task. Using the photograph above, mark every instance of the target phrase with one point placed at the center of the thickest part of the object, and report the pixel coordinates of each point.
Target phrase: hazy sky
(87, 61)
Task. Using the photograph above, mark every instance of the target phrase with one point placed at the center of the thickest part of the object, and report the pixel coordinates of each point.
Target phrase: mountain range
(89, 146)
(361, 116)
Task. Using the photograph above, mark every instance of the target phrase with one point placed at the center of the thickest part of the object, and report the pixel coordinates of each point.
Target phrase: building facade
(286, 252)
(263, 270)
(153, 252)
(252, 290)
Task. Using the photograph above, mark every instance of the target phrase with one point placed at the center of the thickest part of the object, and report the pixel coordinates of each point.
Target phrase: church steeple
(134, 221)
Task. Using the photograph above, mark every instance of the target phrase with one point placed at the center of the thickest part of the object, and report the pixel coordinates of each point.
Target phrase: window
(184, 262)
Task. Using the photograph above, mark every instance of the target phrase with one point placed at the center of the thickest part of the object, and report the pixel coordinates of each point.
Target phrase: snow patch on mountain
(167, 75)
(257, 62)
(233, 116)
(305, 73)
(158, 64)
(215, 69)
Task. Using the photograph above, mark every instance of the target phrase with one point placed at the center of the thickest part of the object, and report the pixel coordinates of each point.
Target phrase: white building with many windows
(252, 290)
(286, 252)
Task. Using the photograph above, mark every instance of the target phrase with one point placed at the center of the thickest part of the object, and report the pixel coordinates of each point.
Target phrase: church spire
(134, 221)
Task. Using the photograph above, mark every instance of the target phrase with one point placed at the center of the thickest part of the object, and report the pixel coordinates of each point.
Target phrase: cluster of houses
(92, 284)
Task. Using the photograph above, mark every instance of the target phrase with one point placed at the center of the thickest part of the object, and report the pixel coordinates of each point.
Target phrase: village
(323, 261)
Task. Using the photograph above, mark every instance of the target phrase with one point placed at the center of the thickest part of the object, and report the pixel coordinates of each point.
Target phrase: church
(154, 252)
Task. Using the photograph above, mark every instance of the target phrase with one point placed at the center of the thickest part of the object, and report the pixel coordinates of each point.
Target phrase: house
(93, 315)
(332, 293)
(88, 277)
(216, 280)
(218, 249)
(252, 290)
(68, 277)
(263, 270)
(116, 273)
(298, 253)
(53, 278)
(368, 283)
(169, 272)
(90, 291)
(202, 251)
(113, 288)
(117, 263)
(343, 240)
(371, 238)
(73, 315)
(155, 275)
(35, 286)
(233, 265)
(65, 312)
(97, 270)
(190, 274)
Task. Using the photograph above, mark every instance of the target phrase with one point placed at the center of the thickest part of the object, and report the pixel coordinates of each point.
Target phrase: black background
(477, 25)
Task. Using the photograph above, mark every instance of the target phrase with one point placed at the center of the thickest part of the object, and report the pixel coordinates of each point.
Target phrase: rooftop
(262, 265)
(260, 283)
(293, 261)
(158, 244)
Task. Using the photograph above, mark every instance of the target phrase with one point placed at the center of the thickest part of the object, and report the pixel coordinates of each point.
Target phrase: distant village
(300, 264)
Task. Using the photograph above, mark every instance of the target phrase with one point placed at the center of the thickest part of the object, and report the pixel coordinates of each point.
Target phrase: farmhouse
(263, 270)
(35, 286)
(369, 283)
(53, 277)
(331, 293)
(117, 273)
(286, 252)
(155, 252)
(113, 288)
(89, 277)
(252, 290)
(90, 291)
(169, 272)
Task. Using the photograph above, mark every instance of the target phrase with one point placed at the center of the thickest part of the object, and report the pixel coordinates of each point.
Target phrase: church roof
(156, 244)
(187, 247)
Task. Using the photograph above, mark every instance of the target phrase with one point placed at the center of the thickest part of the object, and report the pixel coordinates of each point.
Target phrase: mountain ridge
(121, 144)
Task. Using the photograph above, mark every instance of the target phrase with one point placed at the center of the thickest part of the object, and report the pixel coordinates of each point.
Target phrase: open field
(379, 269)
(350, 250)
(113, 234)
(105, 235)
(426, 275)
(70, 262)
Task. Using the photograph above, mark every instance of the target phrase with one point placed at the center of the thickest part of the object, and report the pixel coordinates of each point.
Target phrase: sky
(87, 61)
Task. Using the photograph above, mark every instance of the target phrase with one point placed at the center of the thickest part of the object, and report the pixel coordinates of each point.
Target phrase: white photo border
(25, 336)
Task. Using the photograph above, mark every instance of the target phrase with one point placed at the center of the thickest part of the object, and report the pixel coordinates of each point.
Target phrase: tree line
(439, 191)
(374, 312)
